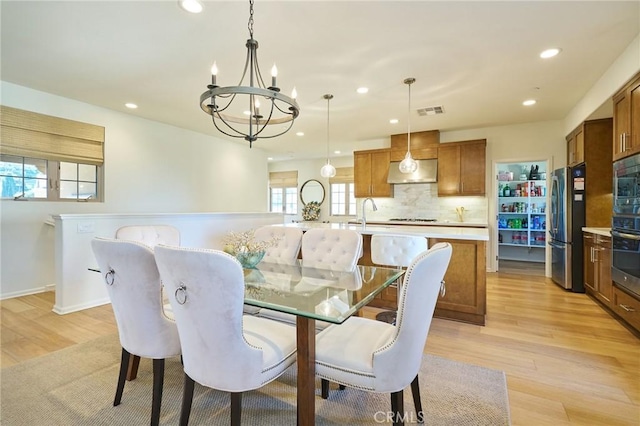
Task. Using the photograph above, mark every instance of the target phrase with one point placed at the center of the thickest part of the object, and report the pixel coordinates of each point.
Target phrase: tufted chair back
(150, 235)
(396, 249)
(337, 249)
(287, 244)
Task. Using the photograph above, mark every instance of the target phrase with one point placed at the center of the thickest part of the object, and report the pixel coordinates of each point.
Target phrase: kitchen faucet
(364, 215)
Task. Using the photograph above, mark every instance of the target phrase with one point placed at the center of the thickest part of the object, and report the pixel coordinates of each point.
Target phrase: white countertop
(600, 231)
(451, 232)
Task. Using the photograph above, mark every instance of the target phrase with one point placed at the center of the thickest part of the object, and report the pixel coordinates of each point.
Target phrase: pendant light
(408, 165)
(328, 171)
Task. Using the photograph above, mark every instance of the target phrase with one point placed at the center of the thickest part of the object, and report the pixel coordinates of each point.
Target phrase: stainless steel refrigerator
(565, 229)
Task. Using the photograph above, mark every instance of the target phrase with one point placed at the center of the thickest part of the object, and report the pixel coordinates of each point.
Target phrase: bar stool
(395, 250)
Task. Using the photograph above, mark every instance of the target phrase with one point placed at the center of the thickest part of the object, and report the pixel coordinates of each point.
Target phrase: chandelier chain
(250, 24)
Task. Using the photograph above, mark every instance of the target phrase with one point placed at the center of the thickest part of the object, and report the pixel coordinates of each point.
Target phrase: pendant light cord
(328, 97)
(409, 81)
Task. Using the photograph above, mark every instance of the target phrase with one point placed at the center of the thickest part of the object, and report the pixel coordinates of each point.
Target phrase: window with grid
(49, 158)
(342, 192)
(283, 192)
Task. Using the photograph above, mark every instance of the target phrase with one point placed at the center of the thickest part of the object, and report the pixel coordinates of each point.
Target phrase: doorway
(521, 216)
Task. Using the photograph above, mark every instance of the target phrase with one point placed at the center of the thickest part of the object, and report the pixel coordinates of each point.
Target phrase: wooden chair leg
(236, 408)
(397, 408)
(156, 400)
(417, 402)
(124, 366)
(324, 385)
(187, 398)
(132, 371)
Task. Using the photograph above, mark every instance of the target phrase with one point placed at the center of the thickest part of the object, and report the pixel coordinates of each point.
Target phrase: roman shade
(283, 179)
(29, 134)
(343, 175)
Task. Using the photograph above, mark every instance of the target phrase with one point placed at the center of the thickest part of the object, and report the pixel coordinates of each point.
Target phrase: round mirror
(312, 190)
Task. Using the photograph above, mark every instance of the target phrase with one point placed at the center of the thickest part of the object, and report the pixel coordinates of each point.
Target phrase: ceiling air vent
(431, 110)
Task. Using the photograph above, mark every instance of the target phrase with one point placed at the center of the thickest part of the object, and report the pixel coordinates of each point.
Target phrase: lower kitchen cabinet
(626, 307)
(597, 267)
(465, 298)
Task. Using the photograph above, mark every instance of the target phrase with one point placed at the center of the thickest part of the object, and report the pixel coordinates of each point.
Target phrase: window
(283, 192)
(342, 190)
(49, 158)
(39, 179)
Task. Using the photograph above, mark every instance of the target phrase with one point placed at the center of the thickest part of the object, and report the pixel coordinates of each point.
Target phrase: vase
(249, 259)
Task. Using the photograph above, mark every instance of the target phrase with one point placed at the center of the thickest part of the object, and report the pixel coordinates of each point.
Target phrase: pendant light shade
(408, 165)
(328, 171)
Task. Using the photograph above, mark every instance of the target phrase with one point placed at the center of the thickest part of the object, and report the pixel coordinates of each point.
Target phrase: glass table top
(323, 294)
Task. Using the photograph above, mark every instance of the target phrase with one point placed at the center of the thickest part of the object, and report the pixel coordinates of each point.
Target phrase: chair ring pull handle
(181, 294)
(110, 277)
(443, 288)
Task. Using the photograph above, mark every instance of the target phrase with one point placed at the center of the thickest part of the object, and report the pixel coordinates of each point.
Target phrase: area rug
(76, 386)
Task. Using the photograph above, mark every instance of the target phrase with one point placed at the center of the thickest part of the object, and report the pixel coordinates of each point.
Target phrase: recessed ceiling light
(362, 90)
(300, 134)
(191, 6)
(393, 121)
(131, 105)
(247, 112)
(269, 158)
(336, 152)
(529, 102)
(549, 53)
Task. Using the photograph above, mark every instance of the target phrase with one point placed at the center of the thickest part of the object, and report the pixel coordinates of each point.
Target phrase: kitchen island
(465, 298)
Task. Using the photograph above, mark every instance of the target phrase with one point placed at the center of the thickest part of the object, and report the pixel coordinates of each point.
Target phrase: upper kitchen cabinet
(626, 120)
(424, 145)
(575, 147)
(595, 137)
(371, 169)
(461, 168)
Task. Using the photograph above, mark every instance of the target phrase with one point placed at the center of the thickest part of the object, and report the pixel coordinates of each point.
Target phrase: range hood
(427, 172)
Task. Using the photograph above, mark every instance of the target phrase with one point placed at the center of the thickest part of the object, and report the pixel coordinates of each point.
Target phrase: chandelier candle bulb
(214, 73)
(274, 74)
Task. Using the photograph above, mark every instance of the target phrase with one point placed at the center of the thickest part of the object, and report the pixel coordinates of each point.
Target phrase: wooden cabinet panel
(626, 118)
(627, 307)
(575, 147)
(589, 263)
(461, 168)
(597, 267)
(417, 154)
(466, 289)
(371, 169)
(419, 140)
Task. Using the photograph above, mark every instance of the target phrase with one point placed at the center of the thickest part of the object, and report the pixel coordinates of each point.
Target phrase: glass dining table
(313, 293)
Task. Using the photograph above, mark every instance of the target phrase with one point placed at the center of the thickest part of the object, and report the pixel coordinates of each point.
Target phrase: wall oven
(625, 224)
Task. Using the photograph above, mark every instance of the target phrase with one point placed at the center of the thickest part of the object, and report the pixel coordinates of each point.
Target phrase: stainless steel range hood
(427, 172)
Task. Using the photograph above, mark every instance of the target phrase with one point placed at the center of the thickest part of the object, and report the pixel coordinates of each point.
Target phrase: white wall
(149, 167)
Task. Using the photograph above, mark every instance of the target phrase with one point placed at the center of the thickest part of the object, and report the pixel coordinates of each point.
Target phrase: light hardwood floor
(567, 361)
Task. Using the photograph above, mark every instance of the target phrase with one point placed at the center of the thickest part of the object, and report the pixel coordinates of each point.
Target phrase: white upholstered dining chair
(221, 348)
(330, 249)
(150, 235)
(376, 356)
(131, 276)
(395, 250)
(284, 249)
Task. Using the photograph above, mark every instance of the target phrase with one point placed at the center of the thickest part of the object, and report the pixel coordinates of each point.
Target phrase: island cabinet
(626, 120)
(597, 267)
(371, 170)
(465, 282)
(461, 168)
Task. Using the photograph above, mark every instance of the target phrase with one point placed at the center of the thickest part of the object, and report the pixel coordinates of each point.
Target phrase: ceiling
(478, 60)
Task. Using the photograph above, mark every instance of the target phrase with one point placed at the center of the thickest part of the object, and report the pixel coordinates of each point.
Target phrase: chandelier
(250, 119)
(408, 165)
(328, 170)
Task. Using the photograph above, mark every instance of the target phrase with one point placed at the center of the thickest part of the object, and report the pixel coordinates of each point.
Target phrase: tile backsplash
(420, 200)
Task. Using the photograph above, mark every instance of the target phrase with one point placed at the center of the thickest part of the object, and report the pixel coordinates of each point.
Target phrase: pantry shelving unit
(522, 215)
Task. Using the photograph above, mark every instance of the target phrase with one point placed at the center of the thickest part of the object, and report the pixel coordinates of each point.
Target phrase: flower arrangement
(245, 248)
(311, 211)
